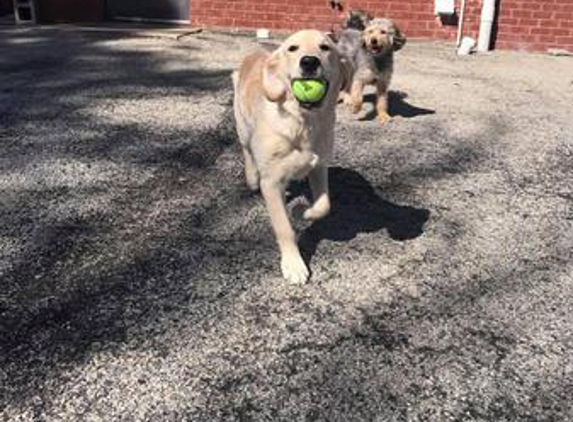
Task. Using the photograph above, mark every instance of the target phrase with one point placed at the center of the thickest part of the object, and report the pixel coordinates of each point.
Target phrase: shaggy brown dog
(372, 53)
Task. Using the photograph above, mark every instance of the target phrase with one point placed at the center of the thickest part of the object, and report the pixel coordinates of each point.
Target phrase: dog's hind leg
(251, 171)
(244, 133)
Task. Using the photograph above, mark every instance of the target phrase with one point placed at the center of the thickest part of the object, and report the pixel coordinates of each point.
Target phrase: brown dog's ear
(399, 39)
(274, 87)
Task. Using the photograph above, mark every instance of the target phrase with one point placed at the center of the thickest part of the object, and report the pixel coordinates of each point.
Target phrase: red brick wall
(535, 25)
(523, 24)
(415, 17)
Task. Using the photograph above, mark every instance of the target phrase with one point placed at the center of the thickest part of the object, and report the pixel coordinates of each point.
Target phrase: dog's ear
(345, 66)
(357, 19)
(333, 36)
(363, 41)
(398, 39)
(274, 87)
(366, 19)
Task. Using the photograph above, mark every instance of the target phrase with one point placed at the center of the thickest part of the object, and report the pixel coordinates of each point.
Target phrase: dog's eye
(293, 48)
(383, 32)
(325, 47)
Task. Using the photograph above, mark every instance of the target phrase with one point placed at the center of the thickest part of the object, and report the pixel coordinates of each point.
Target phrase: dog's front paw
(319, 210)
(294, 269)
(383, 117)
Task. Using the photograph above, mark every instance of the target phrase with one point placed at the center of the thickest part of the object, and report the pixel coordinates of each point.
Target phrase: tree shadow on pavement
(92, 245)
(357, 208)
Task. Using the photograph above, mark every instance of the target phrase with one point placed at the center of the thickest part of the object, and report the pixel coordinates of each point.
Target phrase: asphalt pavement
(139, 279)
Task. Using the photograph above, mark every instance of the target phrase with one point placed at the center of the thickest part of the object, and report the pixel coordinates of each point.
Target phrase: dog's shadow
(397, 106)
(357, 208)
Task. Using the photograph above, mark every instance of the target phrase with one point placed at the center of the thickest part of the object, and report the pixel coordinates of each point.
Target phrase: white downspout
(486, 23)
(461, 23)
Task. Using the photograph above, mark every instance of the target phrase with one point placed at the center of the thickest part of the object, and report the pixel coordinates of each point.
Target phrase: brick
(541, 31)
(565, 16)
(561, 32)
(546, 38)
(507, 21)
(544, 14)
(565, 40)
(512, 29)
(564, 7)
(521, 14)
(528, 22)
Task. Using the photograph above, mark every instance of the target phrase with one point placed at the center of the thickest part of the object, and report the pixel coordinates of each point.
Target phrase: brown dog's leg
(382, 104)
(356, 96)
(344, 97)
(318, 179)
(251, 172)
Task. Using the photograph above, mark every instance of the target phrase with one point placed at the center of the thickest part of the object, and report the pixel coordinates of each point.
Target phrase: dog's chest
(297, 133)
(371, 69)
(299, 129)
(383, 63)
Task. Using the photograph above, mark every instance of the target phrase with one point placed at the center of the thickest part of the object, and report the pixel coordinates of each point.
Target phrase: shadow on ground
(157, 255)
(397, 106)
(357, 208)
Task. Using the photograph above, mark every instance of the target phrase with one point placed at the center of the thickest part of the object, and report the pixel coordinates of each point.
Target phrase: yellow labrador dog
(283, 139)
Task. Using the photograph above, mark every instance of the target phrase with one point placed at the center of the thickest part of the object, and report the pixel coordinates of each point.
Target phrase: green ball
(309, 90)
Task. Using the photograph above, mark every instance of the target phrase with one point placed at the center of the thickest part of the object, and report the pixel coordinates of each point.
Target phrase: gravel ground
(140, 280)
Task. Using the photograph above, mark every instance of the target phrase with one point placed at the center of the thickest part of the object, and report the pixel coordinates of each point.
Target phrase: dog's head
(305, 54)
(357, 19)
(382, 36)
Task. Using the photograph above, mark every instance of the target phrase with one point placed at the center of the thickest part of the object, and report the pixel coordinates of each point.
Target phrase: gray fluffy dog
(372, 53)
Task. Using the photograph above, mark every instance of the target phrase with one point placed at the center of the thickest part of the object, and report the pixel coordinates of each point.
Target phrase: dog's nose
(309, 64)
(374, 42)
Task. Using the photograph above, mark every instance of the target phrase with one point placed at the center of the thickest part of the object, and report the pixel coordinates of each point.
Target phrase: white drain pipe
(486, 24)
(461, 23)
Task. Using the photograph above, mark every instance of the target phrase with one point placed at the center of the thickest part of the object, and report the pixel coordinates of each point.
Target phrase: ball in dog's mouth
(309, 91)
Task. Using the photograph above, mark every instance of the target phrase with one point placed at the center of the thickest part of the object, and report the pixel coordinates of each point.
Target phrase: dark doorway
(176, 11)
